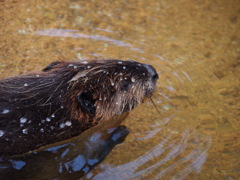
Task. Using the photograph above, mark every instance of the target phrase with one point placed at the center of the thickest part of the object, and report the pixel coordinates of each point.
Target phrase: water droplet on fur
(48, 119)
(62, 125)
(24, 131)
(1, 133)
(68, 123)
(23, 120)
(62, 107)
(139, 65)
(43, 121)
(70, 65)
(52, 127)
(53, 115)
(88, 67)
(42, 130)
(144, 74)
(84, 62)
(112, 83)
(120, 62)
(37, 75)
(100, 99)
(75, 67)
(25, 84)
(124, 67)
(133, 79)
(5, 111)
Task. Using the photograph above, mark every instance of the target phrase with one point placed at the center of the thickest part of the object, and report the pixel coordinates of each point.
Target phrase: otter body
(66, 98)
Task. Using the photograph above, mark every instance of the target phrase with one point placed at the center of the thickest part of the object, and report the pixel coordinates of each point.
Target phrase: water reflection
(67, 160)
(182, 156)
(74, 34)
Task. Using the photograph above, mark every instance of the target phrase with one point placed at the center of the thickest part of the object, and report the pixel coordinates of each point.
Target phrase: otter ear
(50, 66)
(86, 102)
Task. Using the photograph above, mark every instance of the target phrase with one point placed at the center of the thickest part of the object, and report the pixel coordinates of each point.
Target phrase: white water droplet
(133, 79)
(53, 115)
(100, 99)
(24, 131)
(84, 62)
(75, 67)
(37, 75)
(43, 121)
(25, 84)
(62, 125)
(68, 123)
(124, 67)
(23, 120)
(1, 133)
(70, 65)
(112, 83)
(120, 62)
(48, 119)
(88, 67)
(42, 130)
(5, 111)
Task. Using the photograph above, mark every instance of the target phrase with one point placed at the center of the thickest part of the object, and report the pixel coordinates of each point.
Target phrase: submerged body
(66, 98)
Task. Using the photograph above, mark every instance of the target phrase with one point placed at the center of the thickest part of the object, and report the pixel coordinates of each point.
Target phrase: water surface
(195, 47)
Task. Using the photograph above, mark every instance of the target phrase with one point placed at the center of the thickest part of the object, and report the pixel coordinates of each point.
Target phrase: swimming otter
(66, 98)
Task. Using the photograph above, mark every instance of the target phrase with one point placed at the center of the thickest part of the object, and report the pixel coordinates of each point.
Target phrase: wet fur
(65, 99)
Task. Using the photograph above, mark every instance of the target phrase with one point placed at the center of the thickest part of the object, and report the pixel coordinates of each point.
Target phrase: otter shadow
(69, 159)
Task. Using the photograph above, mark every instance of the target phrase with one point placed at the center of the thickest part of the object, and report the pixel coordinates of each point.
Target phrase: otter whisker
(150, 98)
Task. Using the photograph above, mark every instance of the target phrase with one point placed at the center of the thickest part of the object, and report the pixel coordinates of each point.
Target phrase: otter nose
(152, 72)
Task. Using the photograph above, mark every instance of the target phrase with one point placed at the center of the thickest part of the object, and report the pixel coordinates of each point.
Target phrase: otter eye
(125, 86)
(86, 102)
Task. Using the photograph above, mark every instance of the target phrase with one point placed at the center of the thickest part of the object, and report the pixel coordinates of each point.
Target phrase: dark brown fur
(67, 98)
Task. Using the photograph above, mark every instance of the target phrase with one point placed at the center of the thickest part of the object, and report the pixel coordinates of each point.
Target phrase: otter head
(102, 89)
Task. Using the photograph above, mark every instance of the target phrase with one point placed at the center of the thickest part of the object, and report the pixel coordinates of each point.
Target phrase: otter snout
(153, 76)
(152, 72)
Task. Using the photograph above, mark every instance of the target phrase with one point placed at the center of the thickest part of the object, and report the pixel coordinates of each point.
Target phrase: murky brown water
(195, 47)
